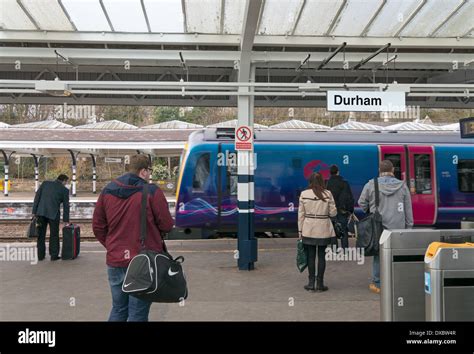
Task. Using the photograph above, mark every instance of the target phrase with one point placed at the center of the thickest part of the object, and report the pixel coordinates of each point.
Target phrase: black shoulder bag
(369, 229)
(154, 276)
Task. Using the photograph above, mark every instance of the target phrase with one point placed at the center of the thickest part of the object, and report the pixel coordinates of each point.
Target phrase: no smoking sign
(243, 138)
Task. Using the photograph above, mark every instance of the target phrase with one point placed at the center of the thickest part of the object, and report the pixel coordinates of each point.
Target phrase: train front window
(466, 176)
(201, 173)
(396, 160)
(423, 174)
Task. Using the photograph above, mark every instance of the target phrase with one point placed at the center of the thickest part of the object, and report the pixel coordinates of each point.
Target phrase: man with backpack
(342, 193)
(394, 207)
(116, 224)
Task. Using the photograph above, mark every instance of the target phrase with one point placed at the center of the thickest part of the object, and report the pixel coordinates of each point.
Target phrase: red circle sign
(243, 133)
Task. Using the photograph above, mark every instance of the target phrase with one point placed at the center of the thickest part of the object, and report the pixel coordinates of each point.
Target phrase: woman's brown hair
(317, 184)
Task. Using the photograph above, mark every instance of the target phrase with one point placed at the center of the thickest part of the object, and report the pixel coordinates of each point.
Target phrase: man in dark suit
(46, 207)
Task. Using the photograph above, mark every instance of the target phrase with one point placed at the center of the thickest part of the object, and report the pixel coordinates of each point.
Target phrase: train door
(396, 154)
(422, 184)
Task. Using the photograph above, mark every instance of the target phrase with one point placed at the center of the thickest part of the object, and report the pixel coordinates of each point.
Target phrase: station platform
(218, 291)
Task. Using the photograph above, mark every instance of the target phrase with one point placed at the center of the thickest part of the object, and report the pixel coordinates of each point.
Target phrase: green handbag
(301, 260)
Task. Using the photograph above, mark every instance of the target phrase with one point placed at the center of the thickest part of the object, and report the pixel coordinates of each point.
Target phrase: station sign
(243, 138)
(366, 101)
(113, 160)
(467, 127)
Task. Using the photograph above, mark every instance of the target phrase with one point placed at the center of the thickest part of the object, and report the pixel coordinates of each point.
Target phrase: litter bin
(402, 254)
(449, 282)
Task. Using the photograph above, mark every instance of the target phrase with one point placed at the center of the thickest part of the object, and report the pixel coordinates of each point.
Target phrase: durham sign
(366, 101)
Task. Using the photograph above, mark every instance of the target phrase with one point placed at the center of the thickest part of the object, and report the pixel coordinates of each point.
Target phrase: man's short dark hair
(139, 162)
(63, 178)
(386, 166)
(333, 170)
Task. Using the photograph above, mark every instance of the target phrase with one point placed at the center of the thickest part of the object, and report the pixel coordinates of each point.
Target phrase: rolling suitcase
(71, 242)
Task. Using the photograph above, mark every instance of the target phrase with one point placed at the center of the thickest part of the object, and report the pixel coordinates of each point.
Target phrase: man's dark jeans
(53, 237)
(343, 219)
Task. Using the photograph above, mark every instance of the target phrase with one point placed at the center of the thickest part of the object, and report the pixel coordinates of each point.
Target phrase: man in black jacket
(46, 207)
(342, 193)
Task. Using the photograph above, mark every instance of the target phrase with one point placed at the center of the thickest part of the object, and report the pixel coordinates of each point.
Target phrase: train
(437, 167)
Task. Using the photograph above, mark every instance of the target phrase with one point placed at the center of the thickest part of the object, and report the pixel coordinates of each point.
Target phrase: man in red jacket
(116, 224)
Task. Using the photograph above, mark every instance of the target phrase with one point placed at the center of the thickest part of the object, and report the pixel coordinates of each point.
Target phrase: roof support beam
(185, 18)
(455, 11)
(27, 13)
(106, 15)
(335, 20)
(372, 20)
(298, 16)
(60, 2)
(411, 17)
(146, 16)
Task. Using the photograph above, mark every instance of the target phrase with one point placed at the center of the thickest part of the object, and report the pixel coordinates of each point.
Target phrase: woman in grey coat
(316, 207)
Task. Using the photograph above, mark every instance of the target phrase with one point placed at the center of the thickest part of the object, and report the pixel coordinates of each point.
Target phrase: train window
(396, 159)
(422, 174)
(466, 176)
(201, 174)
(232, 180)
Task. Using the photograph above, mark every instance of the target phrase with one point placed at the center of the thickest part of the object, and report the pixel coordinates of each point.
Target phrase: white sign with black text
(366, 101)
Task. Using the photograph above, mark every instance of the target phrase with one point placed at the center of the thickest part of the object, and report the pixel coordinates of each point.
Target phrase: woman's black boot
(320, 285)
(310, 286)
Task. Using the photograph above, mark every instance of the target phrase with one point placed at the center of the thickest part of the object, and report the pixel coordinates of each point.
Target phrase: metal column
(94, 174)
(74, 170)
(35, 158)
(6, 167)
(150, 179)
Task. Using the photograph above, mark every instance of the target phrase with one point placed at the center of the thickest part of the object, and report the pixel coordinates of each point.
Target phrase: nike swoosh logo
(170, 273)
(125, 285)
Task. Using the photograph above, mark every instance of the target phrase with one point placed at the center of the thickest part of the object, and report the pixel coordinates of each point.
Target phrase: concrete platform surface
(78, 290)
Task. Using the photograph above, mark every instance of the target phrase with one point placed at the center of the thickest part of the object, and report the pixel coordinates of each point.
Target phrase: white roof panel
(12, 17)
(48, 15)
(299, 124)
(203, 16)
(108, 125)
(413, 126)
(87, 15)
(430, 16)
(279, 16)
(233, 16)
(126, 15)
(355, 16)
(232, 124)
(44, 124)
(173, 124)
(316, 17)
(165, 15)
(356, 126)
(4, 125)
(453, 126)
(392, 17)
(460, 23)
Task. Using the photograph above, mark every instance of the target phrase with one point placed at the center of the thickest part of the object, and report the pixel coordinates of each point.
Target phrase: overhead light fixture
(54, 88)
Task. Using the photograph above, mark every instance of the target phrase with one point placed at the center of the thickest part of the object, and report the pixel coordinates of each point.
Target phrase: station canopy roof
(4, 125)
(416, 126)
(173, 124)
(44, 124)
(299, 124)
(353, 125)
(232, 124)
(454, 127)
(108, 125)
(436, 18)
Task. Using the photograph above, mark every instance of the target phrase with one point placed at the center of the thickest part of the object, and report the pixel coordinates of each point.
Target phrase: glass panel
(279, 16)
(422, 174)
(234, 16)
(12, 17)
(460, 23)
(392, 17)
(165, 15)
(466, 176)
(396, 159)
(355, 16)
(203, 16)
(201, 174)
(48, 15)
(231, 180)
(316, 17)
(87, 15)
(126, 15)
(429, 17)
